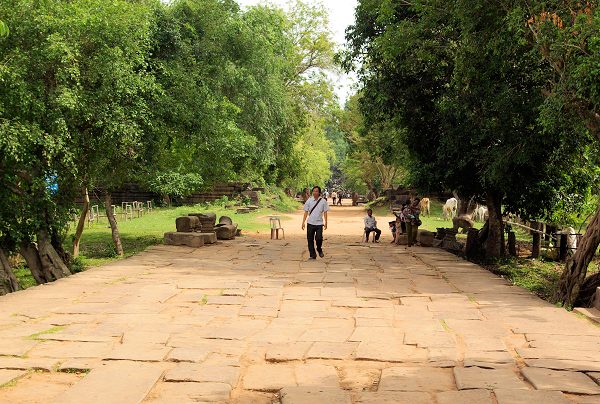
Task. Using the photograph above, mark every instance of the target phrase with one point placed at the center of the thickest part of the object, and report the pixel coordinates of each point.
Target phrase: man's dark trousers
(314, 232)
(376, 230)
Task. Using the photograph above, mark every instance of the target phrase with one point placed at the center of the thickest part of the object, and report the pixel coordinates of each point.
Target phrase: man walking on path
(315, 209)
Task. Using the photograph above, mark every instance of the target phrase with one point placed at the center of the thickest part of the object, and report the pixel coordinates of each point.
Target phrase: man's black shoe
(321, 254)
(312, 258)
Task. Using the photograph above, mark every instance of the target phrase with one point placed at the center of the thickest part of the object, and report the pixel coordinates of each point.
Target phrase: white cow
(450, 208)
(480, 213)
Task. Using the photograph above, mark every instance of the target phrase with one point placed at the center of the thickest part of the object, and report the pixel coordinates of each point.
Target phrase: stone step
(115, 382)
(194, 240)
(590, 312)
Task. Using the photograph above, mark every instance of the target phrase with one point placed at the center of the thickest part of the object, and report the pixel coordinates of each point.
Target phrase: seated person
(371, 225)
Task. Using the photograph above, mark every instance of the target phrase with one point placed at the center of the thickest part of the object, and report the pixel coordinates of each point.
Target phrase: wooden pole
(562, 249)
(512, 243)
(537, 242)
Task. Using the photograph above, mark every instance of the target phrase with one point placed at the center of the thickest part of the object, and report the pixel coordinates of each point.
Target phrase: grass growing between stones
(38, 335)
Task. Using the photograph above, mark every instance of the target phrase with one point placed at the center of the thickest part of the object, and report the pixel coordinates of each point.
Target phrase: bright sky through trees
(341, 15)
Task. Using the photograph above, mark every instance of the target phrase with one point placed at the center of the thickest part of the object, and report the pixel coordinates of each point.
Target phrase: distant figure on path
(412, 221)
(315, 209)
(371, 225)
(326, 194)
(334, 197)
(340, 196)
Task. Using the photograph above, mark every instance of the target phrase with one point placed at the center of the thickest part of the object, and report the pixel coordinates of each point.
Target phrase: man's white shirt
(316, 217)
(370, 222)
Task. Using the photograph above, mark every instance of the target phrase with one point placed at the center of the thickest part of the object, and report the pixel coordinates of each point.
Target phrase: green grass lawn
(138, 234)
(97, 248)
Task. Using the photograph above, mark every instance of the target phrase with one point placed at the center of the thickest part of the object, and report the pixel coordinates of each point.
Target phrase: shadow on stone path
(250, 321)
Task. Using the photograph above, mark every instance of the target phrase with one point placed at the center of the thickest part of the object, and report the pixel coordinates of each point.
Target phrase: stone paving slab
(185, 393)
(241, 320)
(394, 397)
(568, 382)
(311, 395)
(528, 397)
(478, 378)
(412, 378)
(477, 396)
(201, 373)
(8, 375)
(108, 383)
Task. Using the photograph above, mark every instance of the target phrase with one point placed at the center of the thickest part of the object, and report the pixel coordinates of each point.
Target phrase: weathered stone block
(426, 238)
(187, 224)
(226, 232)
(209, 238)
(194, 240)
(225, 220)
(207, 220)
(402, 239)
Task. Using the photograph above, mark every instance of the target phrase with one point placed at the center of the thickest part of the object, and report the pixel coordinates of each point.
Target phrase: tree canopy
(172, 96)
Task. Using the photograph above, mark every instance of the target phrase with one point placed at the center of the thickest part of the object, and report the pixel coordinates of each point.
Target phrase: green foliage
(175, 184)
(4, 31)
(275, 198)
(463, 86)
(537, 276)
(99, 93)
(377, 156)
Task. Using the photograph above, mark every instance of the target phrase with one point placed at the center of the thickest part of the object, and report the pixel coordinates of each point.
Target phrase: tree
(566, 35)
(464, 87)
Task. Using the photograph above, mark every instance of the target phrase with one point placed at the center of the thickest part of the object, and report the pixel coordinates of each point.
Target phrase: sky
(341, 14)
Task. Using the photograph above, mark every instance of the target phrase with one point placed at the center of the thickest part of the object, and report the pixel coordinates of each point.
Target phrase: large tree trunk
(494, 241)
(575, 270)
(50, 258)
(587, 293)
(81, 223)
(113, 224)
(8, 280)
(30, 253)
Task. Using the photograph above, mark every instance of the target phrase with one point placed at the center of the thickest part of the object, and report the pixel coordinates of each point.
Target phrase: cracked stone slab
(568, 382)
(16, 346)
(135, 352)
(202, 373)
(478, 378)
(287, 352)
(530, 396)
(167, 393)
(377, 351)
(476, 396)
(270, 377)
(414, 378)
(314, 394)
(394, 397)
(8, 375)
(192, 354)
(108, 384)
(564, 364)
(316, 374)
(14, 363)
(331, 350)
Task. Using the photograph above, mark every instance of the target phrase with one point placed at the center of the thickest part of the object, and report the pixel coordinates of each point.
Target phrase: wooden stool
(275, 224)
